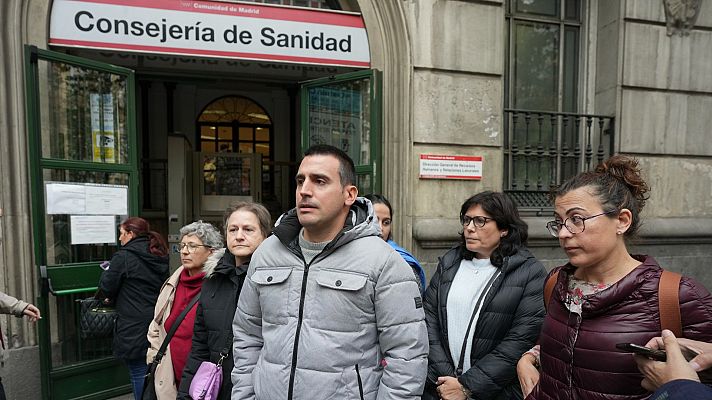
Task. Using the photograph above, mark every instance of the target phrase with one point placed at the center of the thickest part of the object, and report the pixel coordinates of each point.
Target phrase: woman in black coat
(132, 281)
(484, 305)
(246, 226)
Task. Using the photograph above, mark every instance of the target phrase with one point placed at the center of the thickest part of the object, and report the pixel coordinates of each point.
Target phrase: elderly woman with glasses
(604, 295)
(198, 241)
(483, 306)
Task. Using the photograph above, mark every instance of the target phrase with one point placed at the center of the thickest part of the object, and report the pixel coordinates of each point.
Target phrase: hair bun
(626, 170)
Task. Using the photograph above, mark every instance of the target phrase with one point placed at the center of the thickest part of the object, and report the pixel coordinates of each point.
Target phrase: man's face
(322, 202)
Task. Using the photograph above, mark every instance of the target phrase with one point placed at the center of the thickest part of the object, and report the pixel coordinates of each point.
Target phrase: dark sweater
(682, 389)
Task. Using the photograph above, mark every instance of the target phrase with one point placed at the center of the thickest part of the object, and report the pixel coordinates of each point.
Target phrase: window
(547, 138)
(344, 111)
(236, 124)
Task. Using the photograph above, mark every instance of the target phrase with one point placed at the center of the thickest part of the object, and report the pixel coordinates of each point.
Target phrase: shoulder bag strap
(486, 289)
(174, 328)
(549, 288)
(669, 302)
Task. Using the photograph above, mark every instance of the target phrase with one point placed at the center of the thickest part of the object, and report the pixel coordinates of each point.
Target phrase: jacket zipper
(299, 330)
(360, 384)
(297, 334)
(579, 318)
(441, 318)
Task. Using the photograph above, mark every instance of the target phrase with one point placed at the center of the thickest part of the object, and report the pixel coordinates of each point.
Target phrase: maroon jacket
(579, 359)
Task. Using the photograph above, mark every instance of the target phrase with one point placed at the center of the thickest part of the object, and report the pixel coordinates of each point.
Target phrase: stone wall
(458, 61)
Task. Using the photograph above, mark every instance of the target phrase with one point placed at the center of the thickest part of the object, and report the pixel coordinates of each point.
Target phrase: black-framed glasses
(192, 247)
(479, 220)
(573, 224)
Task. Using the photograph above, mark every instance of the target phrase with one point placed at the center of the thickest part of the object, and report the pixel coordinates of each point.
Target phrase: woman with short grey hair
(204, 231)
(198, 241)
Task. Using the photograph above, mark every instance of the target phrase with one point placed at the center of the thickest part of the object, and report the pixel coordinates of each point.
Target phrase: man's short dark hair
(347, 171)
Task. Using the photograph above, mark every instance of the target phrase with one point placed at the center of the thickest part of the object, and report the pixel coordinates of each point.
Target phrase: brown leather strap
(549, 288)
(669, 302)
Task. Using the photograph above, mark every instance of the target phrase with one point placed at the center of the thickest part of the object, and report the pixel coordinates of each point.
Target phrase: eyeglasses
(573, 224)
(479, 220)
(192, 247)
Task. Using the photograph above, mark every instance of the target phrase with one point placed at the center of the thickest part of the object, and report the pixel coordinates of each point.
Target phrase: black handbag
(149, 388)
(96, 319)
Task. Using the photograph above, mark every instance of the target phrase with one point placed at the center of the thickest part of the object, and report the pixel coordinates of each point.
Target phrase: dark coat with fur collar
(212, 332)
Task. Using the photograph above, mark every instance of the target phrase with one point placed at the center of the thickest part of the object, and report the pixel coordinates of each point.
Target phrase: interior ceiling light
(258, 116)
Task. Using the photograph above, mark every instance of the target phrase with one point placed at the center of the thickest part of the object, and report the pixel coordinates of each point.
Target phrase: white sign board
(92, 229)
(450, 167)
(212, 29)
(86, 198)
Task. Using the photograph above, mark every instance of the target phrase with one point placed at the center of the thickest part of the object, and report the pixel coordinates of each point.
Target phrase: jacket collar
(602, 301)
(359, 222)
(222, 262)
(453, 257)
(212, 262)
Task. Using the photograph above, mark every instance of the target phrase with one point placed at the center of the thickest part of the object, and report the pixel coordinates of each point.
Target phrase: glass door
(345, 111)
(84, 181)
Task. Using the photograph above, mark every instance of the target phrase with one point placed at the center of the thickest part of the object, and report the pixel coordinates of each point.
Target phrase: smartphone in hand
(657, 355)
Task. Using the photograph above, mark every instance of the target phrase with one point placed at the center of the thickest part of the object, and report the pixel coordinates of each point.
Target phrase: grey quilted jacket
(350, 325)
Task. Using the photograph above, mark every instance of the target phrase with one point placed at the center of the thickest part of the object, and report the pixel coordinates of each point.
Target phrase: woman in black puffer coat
(134, 278)
(246, 226)
(492, 280)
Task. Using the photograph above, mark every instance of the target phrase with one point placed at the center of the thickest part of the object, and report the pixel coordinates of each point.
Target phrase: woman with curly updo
(604, 295)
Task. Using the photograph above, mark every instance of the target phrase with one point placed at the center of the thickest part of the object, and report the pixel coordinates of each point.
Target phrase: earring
(619, 233)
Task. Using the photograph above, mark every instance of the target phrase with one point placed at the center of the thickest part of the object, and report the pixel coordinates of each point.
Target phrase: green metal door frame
(375, 79)
(99, 378)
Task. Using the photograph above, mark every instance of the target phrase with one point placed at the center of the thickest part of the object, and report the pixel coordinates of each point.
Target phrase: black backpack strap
(459, 370)
(228, 342)
(172, 331)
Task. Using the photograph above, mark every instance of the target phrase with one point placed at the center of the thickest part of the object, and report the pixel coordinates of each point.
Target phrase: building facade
(539, 89)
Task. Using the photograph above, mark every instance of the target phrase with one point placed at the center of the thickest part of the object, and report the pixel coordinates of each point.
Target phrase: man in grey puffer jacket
(328, 310)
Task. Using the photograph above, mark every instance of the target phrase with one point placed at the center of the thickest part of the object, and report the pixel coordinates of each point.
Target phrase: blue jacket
(682, 389)
(413, 262)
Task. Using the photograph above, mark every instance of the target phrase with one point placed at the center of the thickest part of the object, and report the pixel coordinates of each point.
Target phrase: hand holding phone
(654, 354)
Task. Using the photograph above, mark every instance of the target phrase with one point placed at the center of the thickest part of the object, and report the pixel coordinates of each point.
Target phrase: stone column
(388, 38)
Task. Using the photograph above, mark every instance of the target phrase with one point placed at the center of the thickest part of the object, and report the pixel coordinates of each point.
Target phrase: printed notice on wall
(86, 198)
(450, 167)
(65, 198)
(106, 199)
(92, 229)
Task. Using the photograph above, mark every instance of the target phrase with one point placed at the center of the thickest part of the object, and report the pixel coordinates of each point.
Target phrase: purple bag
(207, 380)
